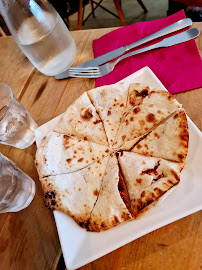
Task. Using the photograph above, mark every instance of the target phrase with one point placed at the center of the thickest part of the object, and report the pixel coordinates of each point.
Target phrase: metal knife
(118, 52)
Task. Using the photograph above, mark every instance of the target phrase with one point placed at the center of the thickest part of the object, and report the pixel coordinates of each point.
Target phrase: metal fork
(96, 72)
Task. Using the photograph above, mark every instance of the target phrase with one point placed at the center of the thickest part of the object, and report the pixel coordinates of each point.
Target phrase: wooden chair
(117, 4)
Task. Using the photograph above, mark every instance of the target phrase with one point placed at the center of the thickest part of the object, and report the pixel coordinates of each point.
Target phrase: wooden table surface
(28, 239)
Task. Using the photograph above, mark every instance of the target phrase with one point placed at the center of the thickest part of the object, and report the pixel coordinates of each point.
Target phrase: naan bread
(156, 106)
(110, 210)
(147, 178)
(82, 120)
(75, 193)
(77, 162)
(60, 153)
(168, 141)
(110, 103)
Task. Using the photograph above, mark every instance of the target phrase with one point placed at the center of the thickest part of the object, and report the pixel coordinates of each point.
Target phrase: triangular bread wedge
(60, 153)
(82, 120)
(75, 193)
(110, 209)
(110, 103)
(147, 178)
(140, 120)
(169, 140)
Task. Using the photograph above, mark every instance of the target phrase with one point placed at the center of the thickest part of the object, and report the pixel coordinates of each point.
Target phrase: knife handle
(167, 30)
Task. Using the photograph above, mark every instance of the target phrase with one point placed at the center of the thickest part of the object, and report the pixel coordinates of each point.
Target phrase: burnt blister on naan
(50, 199)
(136, 96)
(86, 114)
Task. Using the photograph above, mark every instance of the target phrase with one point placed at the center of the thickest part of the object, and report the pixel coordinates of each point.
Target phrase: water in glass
(17, 189)
(16, 125)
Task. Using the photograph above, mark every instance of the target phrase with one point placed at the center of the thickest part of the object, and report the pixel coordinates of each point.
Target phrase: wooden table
(28, 239)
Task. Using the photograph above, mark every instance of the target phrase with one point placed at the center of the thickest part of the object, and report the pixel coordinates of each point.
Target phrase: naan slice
(140, 120)
(147, 178)
(169, 140)
(75, 193)
(110, 209)
(60, 153)
(110, 103)
(82, 120)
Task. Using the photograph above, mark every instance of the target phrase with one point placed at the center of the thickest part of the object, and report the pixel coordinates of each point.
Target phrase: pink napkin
(178, 67)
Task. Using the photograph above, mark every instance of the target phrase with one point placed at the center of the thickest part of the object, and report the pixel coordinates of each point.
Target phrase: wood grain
(28, 239)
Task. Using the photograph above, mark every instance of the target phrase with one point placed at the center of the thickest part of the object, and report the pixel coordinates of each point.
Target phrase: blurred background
(90, 14)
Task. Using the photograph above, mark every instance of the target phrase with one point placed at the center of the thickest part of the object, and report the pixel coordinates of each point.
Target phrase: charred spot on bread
(96, 122)
(66, 141)
(152, 170)
(66, 136)
(95, 192)
(158, 191)
(142, 122)
(180, 156)
(86, 113)
(143, 193)
(135, 95)
(68, 160)
(131, 118)
(139, 180)
(136, 110)
(50, 199)
(150, 118)
(116, 219)
(44, 160)
(143, 93)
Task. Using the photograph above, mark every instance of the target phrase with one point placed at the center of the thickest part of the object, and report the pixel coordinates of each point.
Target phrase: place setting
(118, 156)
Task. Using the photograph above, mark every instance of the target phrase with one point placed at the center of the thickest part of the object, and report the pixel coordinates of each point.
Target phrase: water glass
(16, 125)
(17, 189)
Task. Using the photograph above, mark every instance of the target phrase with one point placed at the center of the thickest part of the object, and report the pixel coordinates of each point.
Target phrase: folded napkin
(178, 67)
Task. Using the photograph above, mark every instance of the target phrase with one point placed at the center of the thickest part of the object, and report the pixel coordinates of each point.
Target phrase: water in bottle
(40, 33)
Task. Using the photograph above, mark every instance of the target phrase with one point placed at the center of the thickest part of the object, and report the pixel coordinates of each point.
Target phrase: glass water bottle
(40, 33)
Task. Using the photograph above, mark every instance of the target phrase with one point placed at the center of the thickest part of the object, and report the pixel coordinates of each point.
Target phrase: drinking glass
(16, 125)
(40, 33)
(17, 189)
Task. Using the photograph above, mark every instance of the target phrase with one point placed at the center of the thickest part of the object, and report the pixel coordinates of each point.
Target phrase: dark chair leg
(142, 5)
(80, 15)
(92, 8)
(120, 12)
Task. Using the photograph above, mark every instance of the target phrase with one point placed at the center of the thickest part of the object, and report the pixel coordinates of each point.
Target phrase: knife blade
(118, 52)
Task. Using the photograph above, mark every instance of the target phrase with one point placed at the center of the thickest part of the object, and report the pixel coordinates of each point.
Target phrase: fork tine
(85, 73)
(79, 75)
(87, 69)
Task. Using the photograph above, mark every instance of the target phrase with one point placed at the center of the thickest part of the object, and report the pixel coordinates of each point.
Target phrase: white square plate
(81, 247)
